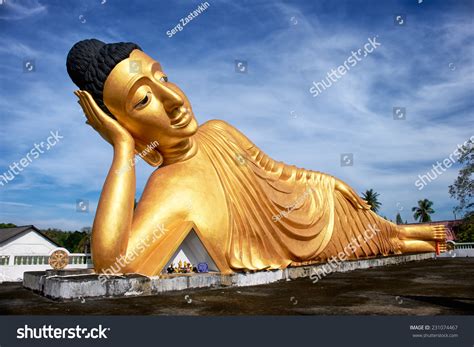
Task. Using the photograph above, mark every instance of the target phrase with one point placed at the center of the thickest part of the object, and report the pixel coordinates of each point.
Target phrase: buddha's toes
(422, 232)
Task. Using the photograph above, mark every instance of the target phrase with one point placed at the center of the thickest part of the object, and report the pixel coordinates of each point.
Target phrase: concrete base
(462, 253)
(67, 284)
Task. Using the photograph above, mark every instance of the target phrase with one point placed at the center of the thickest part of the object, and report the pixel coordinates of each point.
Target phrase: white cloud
(16, 10)
(11, 203)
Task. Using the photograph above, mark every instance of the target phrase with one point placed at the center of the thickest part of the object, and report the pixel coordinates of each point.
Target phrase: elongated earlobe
(147, 153)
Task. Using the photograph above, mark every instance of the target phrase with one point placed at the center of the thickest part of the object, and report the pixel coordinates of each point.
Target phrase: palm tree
(371, 198)
(398, 219)
(423, 211)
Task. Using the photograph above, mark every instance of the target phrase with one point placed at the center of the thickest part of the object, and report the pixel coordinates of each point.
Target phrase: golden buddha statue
(251, 212)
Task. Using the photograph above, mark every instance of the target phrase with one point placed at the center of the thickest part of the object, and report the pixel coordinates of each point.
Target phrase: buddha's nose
(170, 99)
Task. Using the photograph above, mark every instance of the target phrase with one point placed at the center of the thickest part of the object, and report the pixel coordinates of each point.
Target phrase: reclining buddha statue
(251, 212)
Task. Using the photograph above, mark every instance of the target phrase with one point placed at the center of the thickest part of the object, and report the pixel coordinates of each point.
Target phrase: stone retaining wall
(78, 284)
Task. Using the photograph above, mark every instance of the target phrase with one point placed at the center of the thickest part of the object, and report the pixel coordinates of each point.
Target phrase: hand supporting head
(131, 87)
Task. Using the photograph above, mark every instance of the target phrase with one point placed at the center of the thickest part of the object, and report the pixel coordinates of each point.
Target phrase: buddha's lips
(180, 117)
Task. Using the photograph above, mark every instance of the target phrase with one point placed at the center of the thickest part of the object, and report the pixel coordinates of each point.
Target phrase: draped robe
(281, 215)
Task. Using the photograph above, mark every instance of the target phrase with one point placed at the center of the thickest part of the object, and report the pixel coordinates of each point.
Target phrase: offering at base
(182, 267)
(202, 267)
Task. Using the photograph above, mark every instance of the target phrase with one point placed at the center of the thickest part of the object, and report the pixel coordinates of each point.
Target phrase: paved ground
(429, 287)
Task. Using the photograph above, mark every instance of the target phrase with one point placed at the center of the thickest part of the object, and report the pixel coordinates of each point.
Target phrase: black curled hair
(89, 63)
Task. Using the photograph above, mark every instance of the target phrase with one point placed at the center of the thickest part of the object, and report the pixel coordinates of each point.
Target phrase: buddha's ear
(147, 153)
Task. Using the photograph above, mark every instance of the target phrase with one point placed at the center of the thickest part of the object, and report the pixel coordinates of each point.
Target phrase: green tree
(423, 210)
(399, 219)
(57, 236)
(7, 225)
(74, 242)
(465, 231)
(371, 198)
(85, 244)
(463, 187)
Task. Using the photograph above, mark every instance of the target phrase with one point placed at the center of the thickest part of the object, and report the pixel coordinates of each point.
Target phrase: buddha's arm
(112, 223)
(113, 219)
(351, 195)
(273, 166)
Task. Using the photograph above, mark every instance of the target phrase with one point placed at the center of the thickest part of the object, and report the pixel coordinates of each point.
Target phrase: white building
(26, 248)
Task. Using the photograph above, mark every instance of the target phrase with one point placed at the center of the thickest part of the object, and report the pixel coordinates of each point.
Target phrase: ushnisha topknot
(89, 63)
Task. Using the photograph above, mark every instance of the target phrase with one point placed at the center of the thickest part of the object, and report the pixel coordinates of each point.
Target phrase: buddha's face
(139, 95)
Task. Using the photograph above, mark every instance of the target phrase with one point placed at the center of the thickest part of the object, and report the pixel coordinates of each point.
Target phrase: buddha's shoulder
(216, 124)
(225, 129)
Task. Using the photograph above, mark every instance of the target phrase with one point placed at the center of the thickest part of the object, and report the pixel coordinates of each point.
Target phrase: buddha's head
(132, 88)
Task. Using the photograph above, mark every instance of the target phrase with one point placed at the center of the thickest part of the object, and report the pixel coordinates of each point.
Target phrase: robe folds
(281, 215)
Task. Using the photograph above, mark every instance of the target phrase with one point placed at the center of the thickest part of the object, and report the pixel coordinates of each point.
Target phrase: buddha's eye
(164, 79)
(143, 102)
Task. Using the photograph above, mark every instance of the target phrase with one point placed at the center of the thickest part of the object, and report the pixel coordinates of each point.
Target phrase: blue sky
(425, 66)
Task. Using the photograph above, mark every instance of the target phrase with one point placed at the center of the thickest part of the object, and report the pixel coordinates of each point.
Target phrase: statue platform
(84, 283)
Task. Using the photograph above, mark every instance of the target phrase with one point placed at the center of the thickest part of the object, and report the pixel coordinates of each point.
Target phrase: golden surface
(251, 212)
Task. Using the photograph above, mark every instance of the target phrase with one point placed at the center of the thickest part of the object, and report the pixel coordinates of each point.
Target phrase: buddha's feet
(422, 238)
